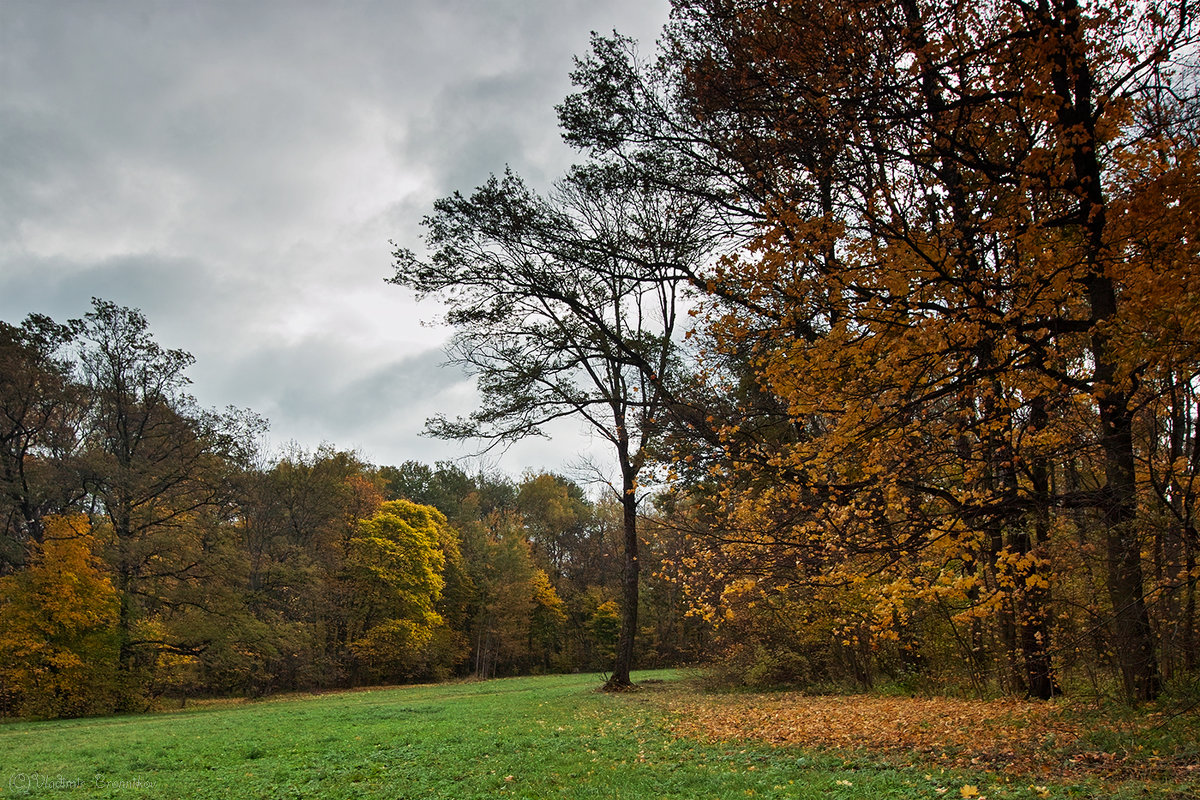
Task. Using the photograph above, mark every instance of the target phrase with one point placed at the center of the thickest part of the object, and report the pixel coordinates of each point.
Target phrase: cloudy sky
(236, 170)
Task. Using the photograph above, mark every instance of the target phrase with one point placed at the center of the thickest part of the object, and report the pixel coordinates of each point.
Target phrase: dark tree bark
(630, 570)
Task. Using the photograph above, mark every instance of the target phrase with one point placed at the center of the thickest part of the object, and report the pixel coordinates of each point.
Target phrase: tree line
(151, 551)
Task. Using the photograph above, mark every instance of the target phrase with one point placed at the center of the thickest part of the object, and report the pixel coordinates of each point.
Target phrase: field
(544, 737)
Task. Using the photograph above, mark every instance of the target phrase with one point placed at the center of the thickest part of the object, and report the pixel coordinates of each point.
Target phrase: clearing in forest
(552, 737)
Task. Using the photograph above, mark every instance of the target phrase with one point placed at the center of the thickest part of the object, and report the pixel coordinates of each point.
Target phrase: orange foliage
(977, 246)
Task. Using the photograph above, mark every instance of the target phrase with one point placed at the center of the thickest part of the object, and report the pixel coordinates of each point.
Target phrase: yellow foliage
(395, 563)
(58, 646)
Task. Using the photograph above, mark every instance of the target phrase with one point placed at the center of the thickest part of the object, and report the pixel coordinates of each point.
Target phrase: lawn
(542, 737)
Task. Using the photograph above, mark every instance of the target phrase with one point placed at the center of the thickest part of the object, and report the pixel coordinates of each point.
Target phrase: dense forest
(890, 312)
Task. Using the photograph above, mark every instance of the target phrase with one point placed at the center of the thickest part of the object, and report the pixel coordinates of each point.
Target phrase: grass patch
(521, 738)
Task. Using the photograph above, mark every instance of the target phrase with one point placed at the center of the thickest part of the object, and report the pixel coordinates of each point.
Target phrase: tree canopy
(966, 292)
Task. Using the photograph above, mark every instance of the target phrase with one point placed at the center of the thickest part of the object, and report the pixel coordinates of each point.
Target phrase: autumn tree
(59, 643)
(947, 291)
(565, 306)
(393, 575)
(155, 464)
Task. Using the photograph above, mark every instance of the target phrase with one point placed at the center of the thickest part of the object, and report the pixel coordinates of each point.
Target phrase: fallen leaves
(880, 723)
(1010, 736)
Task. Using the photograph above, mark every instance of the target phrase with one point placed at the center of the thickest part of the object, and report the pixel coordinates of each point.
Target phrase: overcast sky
(236, 170)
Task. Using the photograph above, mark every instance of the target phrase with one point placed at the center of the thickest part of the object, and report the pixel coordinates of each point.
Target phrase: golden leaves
(58, 647)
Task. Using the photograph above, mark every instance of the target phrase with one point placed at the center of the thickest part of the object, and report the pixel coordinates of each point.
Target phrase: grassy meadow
(539, 737)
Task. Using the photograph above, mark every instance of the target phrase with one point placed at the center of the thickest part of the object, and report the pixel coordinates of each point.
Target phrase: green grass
(545, 737)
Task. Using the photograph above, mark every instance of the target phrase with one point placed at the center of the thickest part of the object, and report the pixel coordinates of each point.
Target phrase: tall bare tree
(565, 306)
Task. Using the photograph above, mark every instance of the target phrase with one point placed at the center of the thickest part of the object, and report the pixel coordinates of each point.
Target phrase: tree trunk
(1133, 637)
(1072, 81)
(629, 595)
(1035, 608)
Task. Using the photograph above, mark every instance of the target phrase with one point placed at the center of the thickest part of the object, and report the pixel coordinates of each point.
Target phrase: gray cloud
(236, 170)
(310, 383)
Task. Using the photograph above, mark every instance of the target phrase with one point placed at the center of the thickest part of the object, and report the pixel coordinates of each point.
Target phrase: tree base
(614, 685)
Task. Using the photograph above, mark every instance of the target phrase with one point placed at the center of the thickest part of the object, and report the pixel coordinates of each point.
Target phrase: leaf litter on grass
(1033, 740)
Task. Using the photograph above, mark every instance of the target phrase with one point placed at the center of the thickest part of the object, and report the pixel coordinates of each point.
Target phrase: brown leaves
(1019, 738)
(932, 726)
